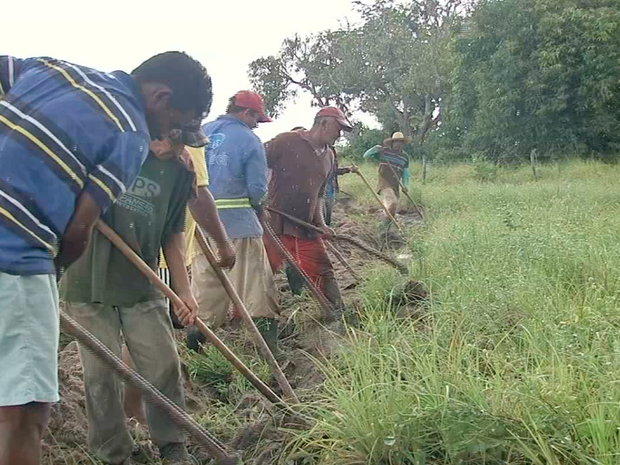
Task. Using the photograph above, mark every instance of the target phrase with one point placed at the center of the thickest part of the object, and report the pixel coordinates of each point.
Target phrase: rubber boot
(268, 328)
(176, 454)
(195, 339)
(332, 292)
(295, 281)
(385, 226)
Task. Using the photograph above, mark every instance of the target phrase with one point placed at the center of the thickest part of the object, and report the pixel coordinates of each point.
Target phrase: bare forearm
(77, 235)
(205, 213)
(72, 247)
(174, 253)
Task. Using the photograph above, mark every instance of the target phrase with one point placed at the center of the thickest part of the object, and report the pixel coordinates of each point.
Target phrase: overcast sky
(119, 34)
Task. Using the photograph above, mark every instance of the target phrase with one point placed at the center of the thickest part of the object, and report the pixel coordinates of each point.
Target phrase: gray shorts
(29, 330)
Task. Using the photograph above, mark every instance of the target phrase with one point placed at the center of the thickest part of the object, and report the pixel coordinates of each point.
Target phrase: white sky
(224, 35)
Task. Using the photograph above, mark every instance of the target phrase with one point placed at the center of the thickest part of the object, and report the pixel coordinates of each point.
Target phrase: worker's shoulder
(285, 139)
(226, 130)
(291, 135)
(197, 154)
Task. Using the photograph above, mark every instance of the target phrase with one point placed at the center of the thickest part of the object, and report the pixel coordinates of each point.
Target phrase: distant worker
(333, 188)
(238, 181)
(393, 168)
(301, 163)
(73, 140)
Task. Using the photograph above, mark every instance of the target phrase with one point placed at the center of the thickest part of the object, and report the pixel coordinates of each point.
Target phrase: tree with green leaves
(537, 75)
(393, 65)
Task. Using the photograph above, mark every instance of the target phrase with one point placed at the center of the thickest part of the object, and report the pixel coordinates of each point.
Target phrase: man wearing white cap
(393, 168)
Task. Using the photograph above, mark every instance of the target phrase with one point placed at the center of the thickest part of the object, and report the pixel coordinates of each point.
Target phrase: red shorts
(309, 254)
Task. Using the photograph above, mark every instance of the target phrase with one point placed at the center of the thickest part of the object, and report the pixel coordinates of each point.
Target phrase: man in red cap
(302, 162)
(238, 181)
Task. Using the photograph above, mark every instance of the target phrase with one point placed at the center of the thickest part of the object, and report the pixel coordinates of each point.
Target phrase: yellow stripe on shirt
(14, 220)
(85, 90)
(45, 148)
(103, 187)
(223, 204)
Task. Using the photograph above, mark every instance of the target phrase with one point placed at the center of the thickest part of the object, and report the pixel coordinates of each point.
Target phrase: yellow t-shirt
(202, 180)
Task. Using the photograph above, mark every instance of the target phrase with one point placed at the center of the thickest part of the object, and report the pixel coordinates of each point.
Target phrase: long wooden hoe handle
(314, 291)
(342, 237)
(406, 191)
(176, 414)
(387, 211)
(202, 327)
(332, 248)
(240, 307)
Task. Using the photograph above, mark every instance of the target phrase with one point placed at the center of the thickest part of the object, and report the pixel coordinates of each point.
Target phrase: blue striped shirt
(64, 129)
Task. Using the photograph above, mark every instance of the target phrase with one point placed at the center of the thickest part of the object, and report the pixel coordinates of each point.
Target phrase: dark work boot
(176, 454)
(332, 293)
(295, 281)
(195, 339)
(386, 224)
(268, 327)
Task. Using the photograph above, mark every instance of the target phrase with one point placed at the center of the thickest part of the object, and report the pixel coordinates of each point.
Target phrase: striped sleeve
(117, 167)
(10, 68)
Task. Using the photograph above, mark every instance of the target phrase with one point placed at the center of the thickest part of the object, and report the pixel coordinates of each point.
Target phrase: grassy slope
(516, 358)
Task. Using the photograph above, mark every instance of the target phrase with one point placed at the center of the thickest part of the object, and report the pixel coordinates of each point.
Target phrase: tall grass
(516, 357)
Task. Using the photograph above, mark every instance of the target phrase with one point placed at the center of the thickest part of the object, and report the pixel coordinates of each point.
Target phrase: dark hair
(188, 80)
(232, 108)
(298, 128)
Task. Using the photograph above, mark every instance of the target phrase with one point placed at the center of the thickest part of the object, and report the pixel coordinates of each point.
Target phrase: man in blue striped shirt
(72, 139)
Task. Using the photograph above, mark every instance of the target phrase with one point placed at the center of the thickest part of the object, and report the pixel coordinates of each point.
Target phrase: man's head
(328, 125)
(177, 96)
(396, 141)
(248, 107)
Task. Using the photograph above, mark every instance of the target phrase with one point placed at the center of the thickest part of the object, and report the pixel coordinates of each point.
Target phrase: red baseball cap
(252, 101)
(338, 115)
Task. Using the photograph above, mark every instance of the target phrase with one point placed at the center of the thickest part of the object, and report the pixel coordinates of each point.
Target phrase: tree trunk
(427, 119)
(425, 125)
(425, 163)
(533, 157)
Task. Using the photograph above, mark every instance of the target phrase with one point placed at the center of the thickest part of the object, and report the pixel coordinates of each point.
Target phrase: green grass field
(516, 358)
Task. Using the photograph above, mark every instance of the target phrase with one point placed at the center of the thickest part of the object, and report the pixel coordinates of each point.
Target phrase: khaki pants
(251, 277)
(390, 200)
(149, 336)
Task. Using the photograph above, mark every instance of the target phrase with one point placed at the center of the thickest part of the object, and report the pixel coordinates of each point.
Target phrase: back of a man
(72, 141)
(238, 181)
